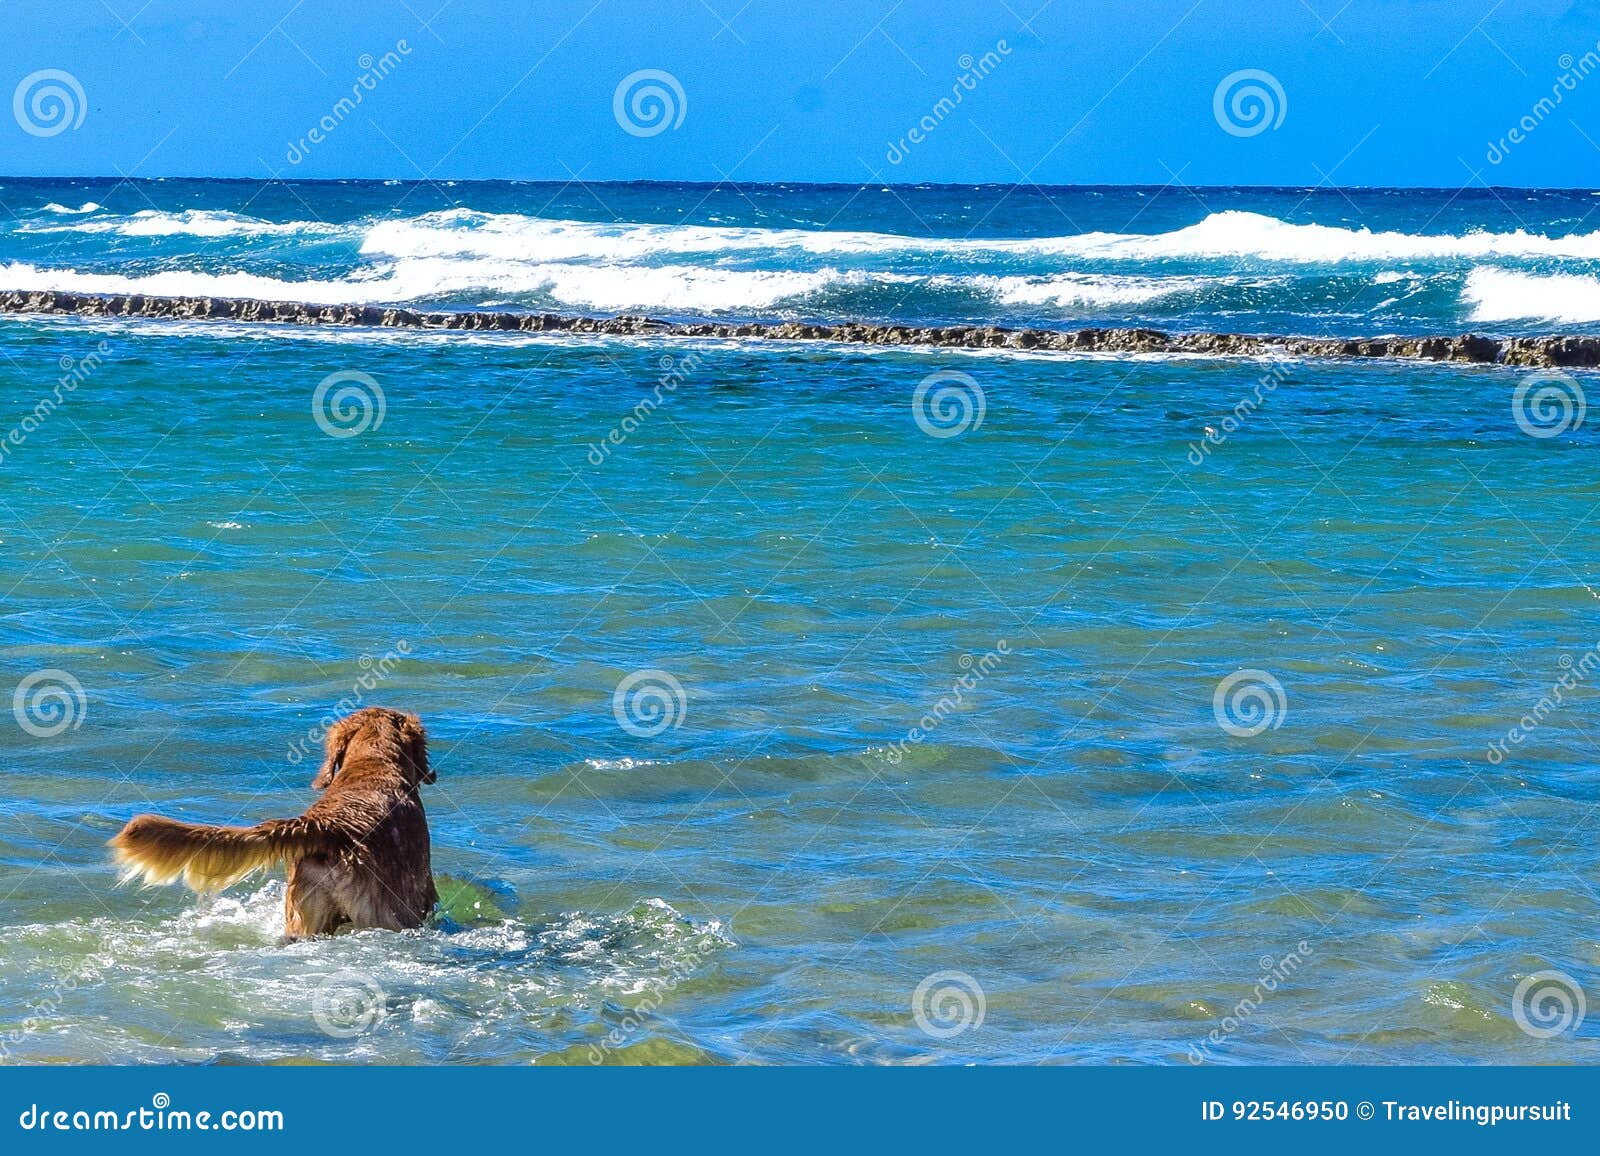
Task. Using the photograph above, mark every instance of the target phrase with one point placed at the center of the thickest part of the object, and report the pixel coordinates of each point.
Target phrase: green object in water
(465, 902)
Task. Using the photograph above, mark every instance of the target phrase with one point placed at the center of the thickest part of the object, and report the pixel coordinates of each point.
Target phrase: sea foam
(467, 233)
(1509, 295)
(476, 258)
(189, 222)
(678, 288)
(463, 233)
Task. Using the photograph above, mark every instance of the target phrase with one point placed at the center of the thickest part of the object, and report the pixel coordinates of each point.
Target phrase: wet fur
(358, 857)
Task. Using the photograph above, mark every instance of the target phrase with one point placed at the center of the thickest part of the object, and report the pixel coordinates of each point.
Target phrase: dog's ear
(334, 746)
(414, 741)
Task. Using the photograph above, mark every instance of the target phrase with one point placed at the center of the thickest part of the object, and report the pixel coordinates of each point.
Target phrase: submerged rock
(1543, 351)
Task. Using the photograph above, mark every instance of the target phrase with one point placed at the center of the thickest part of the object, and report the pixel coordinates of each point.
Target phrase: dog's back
(359, 856)
(384, 879)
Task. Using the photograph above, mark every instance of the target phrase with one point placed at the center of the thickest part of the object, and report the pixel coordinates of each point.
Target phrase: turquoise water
(936, 717)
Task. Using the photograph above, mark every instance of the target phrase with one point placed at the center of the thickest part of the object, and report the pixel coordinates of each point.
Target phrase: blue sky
(1425, 92)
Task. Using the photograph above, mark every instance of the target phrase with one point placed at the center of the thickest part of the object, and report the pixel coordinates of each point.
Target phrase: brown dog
(358, 857)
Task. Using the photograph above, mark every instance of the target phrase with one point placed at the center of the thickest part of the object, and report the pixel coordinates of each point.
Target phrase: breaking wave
(467, 233)
(681, 288)
(1227, 265)
(463, 233)
(1509, 295)
(189, 223)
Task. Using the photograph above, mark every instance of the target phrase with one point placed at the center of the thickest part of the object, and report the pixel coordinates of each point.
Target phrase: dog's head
(391, 735)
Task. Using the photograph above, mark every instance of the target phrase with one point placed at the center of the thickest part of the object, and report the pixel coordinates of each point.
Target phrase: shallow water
(948, 737)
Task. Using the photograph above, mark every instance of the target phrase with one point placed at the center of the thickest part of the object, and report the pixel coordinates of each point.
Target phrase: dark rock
(1547, 351)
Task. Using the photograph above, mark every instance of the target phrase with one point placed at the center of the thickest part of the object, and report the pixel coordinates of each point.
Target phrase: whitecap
(606, 288)
(189, 222)
(469, 233)
(1087, 291)
(1508, 295)
(1237, 234)
(691, 288)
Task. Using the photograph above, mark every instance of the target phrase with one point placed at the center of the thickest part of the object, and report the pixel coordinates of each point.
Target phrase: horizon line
(817, 184)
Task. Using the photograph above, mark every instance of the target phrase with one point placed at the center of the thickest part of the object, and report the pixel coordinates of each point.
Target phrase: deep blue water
(773, 706)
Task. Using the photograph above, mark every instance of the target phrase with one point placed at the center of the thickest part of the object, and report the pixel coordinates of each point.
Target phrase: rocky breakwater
(1556, 350)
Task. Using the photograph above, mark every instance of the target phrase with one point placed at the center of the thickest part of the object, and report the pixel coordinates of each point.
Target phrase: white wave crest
(679, 288)
(22, 277)
(1240, 234)
(1091, 291)
(189, 222)
(1508, 295)
(606, 287)
(469, 234)
(465, 233)
(63, 210)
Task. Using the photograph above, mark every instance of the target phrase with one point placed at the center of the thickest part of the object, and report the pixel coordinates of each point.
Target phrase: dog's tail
(159, 850)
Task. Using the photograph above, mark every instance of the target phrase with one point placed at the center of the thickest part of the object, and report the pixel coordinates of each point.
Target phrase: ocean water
(805, 703)
(1274, 261)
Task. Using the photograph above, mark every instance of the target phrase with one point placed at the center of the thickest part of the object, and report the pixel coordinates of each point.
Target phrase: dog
(357, 858)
